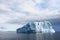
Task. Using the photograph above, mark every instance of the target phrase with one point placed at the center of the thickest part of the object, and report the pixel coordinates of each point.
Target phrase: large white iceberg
(43, 26)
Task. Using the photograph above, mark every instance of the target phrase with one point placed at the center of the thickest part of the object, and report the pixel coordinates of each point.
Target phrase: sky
(15, 13)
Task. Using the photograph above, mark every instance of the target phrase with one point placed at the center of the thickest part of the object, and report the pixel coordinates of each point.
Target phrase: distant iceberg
(43, 26)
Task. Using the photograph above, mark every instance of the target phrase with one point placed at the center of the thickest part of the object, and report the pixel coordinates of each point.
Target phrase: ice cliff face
(44, 26)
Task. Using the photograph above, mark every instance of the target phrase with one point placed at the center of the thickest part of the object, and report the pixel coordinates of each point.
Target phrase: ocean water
(29, 36)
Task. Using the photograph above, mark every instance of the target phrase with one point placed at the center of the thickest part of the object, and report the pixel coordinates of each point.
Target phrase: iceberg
(43, 26)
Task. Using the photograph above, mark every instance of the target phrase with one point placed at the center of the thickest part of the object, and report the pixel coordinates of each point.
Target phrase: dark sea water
(29, 36)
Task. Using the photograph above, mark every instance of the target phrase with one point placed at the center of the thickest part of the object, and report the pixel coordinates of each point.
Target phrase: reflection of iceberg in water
(35, 36)
(44, 36)
(44, 26)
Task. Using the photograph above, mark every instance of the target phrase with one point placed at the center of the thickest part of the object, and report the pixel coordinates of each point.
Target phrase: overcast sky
(15, 13)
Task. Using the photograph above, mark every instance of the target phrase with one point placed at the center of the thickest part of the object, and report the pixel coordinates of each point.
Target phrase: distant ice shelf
(43, 26)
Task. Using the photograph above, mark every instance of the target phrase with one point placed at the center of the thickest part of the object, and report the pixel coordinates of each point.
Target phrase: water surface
(29, 36)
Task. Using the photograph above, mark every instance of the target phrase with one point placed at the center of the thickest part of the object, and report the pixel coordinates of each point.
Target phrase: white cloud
(13, 12)
(4, 7)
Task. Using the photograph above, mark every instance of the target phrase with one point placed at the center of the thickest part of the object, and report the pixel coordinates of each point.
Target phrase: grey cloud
(55, 21)
(3, 28)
